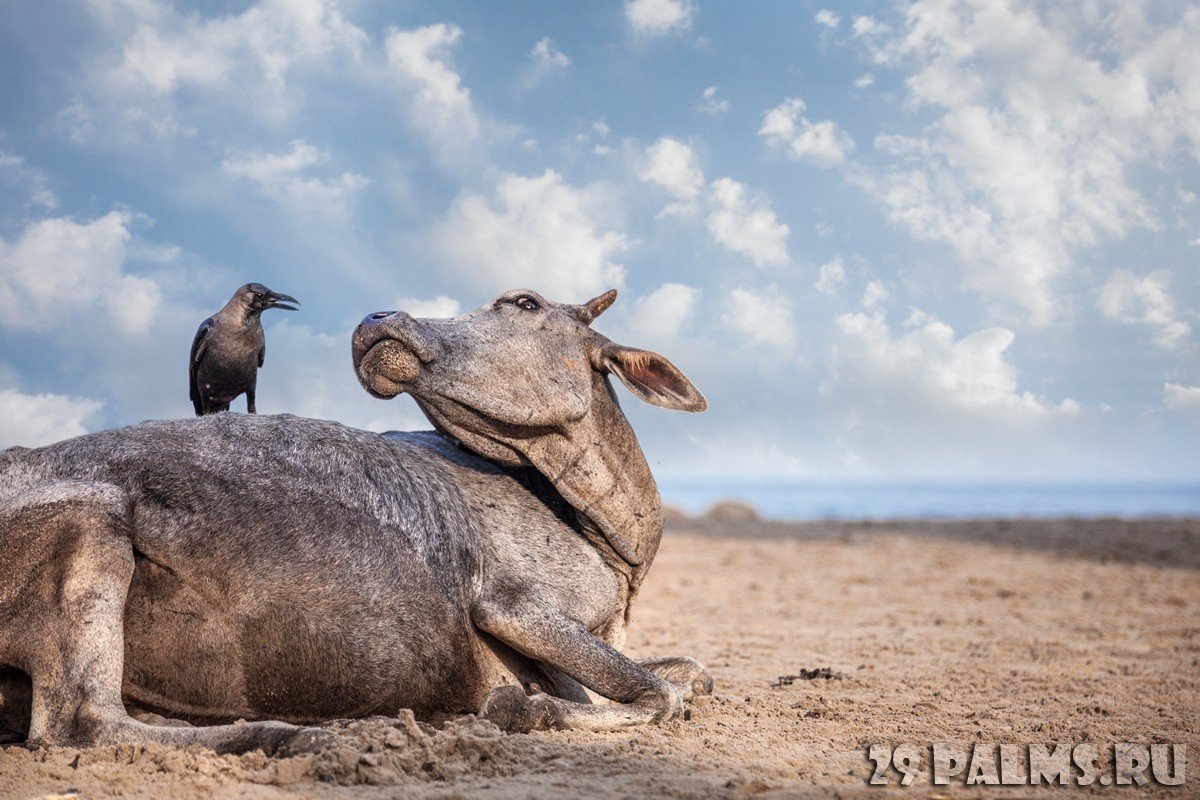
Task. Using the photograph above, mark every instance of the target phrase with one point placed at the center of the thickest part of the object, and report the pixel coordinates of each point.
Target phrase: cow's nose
(398, 325)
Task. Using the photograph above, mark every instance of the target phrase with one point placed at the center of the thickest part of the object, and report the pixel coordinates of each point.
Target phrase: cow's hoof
(504, 707)
(305, 740)
(513, 711)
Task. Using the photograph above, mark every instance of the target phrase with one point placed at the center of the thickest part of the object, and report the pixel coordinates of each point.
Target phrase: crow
(230, 347)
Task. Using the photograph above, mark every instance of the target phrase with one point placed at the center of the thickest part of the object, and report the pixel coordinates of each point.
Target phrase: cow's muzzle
(388, 350)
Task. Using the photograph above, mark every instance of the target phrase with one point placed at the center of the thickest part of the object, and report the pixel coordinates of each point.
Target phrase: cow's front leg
(544, 634)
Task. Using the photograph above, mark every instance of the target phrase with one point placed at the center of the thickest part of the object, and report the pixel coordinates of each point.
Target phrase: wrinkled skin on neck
(523, 381)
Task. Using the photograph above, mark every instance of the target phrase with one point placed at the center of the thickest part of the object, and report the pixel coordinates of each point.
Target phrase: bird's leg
(250, 402)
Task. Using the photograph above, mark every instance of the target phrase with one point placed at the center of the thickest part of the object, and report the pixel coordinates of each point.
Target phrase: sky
(930, 240)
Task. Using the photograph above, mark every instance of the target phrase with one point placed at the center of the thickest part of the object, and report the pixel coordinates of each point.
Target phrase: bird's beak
(280, 300)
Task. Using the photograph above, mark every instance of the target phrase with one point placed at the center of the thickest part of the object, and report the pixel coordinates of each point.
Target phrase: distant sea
(876, 501)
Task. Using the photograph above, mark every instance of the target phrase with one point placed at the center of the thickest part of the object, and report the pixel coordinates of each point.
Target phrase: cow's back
(285, 567)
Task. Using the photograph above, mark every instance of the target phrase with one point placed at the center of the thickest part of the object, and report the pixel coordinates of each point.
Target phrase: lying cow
(289, 571)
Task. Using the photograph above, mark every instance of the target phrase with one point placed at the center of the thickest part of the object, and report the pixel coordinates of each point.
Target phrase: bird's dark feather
(198, 347)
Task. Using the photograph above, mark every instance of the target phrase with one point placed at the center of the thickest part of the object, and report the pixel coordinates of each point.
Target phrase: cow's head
(523, 381)
(518, 366)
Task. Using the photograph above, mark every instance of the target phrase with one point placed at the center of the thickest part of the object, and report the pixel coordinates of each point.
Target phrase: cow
(232, 580)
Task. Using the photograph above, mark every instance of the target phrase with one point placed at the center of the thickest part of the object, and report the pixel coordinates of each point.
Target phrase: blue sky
(923, 240)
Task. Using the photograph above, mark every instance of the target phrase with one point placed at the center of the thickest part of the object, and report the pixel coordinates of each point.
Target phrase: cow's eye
(526, 302)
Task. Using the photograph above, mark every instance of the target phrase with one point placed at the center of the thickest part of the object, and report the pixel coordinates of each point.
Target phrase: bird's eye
(526, 302)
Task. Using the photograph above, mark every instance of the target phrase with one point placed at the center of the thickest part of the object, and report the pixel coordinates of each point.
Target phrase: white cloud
(821, 143)
(305, 374)
(58, 266)
(437, 308)
(969, 373)
(547, 58)
(29, 180)
(659, 17)
(763, 317)
(867, 25)
(441, 105)
(738, 219)
(1127, 298)
(1185, 399)
(746, 224)
(711, 104)
(238, 59)
(673, 166)
(538, 232)
(831, 276)
(662, 314)
(875, 295)
(1039, 120)
(865, 81)
(827, 18)
(33, 420)
(279, 176)
(924, 398)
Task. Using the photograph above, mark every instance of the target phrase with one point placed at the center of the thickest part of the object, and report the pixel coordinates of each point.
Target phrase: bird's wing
(262, 355)
(199, 345)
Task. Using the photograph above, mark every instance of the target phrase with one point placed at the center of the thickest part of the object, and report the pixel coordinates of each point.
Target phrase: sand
(911, 632)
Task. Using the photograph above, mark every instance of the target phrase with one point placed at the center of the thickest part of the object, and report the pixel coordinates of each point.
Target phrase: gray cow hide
(288, 571)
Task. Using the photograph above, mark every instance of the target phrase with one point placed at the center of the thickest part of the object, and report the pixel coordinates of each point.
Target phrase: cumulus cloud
(441, 106)
(929, 362)
(1185, 399)
(30, 181)
(763, 317)
(866, 25)
(33, 420)
(831, 276)
(1147, 301)
(662, 314)
(710, 103)
(864, 81)
(827, 18)
(738, 218)
(545, 59)
(659, 17)
(436, 308)
(59, 266)
(308, 373)
(539, 232)
(821, 143)
(673, 166)
(1039, 120)
(913, 398)
(281, 177)
(163, 52)
(746, 224)
(875, 295)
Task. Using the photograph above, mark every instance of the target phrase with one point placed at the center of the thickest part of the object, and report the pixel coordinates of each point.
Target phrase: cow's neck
(599, 468)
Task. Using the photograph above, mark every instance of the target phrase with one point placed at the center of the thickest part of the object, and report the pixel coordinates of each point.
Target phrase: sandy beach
(884, 633)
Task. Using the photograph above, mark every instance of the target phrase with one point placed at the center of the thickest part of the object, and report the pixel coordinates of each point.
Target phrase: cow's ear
(650, 376)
